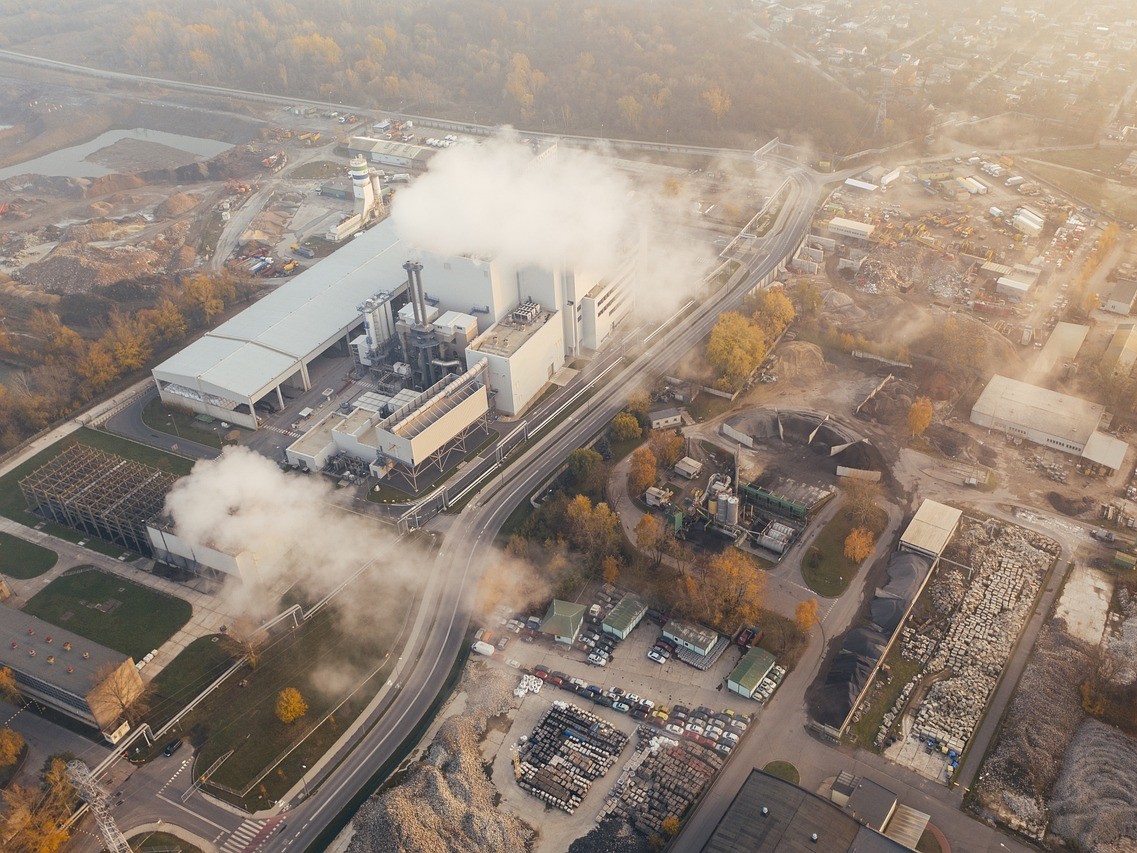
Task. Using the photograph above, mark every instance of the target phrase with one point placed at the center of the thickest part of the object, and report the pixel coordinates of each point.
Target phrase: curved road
(440, 631)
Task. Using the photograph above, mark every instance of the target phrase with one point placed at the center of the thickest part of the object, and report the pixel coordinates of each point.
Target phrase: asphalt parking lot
(631, 670)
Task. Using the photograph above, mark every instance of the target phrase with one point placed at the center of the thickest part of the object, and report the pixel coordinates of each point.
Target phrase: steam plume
(496, 200)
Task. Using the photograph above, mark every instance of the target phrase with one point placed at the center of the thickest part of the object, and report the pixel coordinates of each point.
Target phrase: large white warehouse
(1065, 423)
(352, 299)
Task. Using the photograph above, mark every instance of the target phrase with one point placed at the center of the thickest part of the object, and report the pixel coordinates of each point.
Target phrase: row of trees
(740, 340)
(675, 70)
(68, 370)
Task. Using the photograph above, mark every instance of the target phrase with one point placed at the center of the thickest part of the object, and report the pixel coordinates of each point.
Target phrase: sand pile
(176, 205)
(446, 802)
(78, 268)
(800, 360)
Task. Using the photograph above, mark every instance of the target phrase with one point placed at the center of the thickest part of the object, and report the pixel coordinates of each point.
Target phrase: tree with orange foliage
(643, 472)
(667, 445)
(806, 615)
(858, 544)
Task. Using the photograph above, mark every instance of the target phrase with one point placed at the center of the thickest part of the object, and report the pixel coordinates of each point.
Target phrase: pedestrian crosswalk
(290, 433)
(251, 835)
(170, 781)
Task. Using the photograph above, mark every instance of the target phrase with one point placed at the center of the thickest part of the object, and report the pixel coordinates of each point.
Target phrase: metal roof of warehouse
(931, 527)
(1050, 412)
(270, 337)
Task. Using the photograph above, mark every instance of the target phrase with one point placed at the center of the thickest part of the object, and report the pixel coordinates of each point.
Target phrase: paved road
(440, 632)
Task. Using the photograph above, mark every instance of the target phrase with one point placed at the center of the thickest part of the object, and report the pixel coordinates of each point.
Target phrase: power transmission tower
(96, 799)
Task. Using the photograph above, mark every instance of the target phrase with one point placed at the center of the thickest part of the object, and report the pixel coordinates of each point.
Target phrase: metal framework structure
(440, 458)
(99, 494)
(112, 838)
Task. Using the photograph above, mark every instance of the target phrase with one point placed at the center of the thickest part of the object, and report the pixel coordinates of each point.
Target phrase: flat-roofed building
(930, 529)
(1059, 421)
(697, 638)
(1121, 298)
(522, 353)
(1063, 346)
(1121, 354)
(850, 228)
(74, 676)
(625, 616)
(771, 815)
(387, 152)
(748, 674)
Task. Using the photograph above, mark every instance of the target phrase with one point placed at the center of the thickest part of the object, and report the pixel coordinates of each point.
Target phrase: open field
(1088, 159)
(825, 567)
(783, 770)
(196, 667)
(22, 560)
(337, 671)
(160, 842)
(1113, 198)
(110, 610)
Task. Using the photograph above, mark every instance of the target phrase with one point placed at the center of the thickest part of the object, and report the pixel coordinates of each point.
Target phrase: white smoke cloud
(295, 528)
(496, 200)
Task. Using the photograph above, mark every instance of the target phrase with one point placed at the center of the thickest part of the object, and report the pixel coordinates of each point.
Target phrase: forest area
(678, 71)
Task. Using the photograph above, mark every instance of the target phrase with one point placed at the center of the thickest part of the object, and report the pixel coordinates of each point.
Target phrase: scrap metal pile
(662, 780)
(568, 750)
(1008, 567)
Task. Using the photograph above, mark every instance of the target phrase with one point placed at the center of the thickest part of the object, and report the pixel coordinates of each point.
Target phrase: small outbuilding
(748, 674)
(931, 529)
(625, 616)
(688, 467)
(563, 621)
(664, 418)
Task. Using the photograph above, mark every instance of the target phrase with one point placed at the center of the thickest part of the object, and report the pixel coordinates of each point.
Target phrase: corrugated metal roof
(906, 826)
(297, 320)
(1106, 450)
(931, 527)
(626, 614)
(1010, 401)
(754, 666)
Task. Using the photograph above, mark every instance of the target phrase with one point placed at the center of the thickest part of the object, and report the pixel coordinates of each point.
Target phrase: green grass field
(1088, 159)
(783, 770)
(12, 502)
(22, 559)
(826, 569)
(181, 424)
(197, 666)
(1112, 198)
(322, 660)
(110, 610)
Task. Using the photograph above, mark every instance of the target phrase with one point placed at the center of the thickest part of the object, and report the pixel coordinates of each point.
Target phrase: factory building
(1045, 417)
(1121, 354)
(170, 548)
(80, 679)
(850, 229)
(1121, 298)
(367, 193)
(352, 302)
(771, 815)
(385, 152)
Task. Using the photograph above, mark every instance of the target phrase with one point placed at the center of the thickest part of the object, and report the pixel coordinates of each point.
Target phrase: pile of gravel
(446, 802)
(1094, 806)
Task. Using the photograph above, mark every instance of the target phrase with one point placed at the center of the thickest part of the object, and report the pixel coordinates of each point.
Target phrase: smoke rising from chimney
(497, 200)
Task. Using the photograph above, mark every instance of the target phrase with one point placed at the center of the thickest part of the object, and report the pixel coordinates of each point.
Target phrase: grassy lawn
(317, 170)
(160, 842)
(1082, 158)
(180, 424)
(928, 843)
(863, 731)
(12, 502)
(22, 559)
(707, 406)
(110, 610)
(783, 639)
(324, 661)
(826, 569)
(197, 666)
(783, 770)
(620, 449)
(1113, 199)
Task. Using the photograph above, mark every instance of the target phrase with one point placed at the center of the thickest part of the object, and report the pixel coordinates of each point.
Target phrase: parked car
(680, 709)
(557, 678)
(729, 736)
(598, 660)
(541, 671)
(694, 728)
(656, 656)
(621, 706)
(674, 729)
(723, 748)
(615, 692)
(172, 747)
(639, 714)
(579, 682)
(647, 703)
(632, 698)
(738, 724)
(602, 700)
